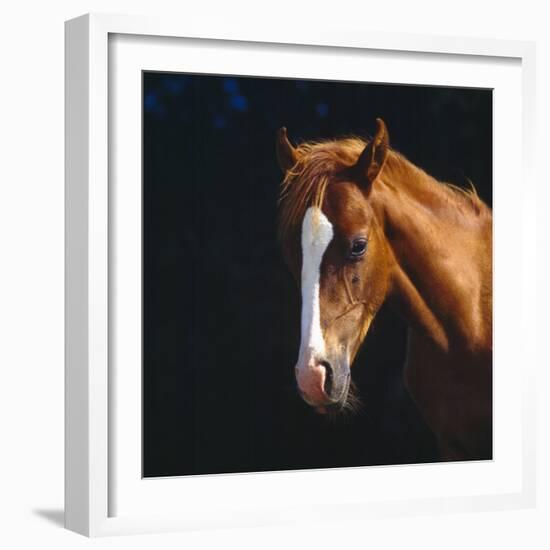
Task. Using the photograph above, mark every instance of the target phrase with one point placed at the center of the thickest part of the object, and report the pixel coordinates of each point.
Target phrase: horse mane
(305, 184)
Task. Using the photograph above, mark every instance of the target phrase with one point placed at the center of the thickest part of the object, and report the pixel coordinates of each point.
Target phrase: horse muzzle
(323, 385)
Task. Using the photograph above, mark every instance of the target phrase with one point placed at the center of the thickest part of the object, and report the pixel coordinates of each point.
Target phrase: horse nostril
(328, 376)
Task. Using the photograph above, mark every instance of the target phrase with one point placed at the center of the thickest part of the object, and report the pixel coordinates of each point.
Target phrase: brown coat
(429, 253)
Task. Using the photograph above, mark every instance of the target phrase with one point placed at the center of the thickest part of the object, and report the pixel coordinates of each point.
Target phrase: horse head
(335, 247)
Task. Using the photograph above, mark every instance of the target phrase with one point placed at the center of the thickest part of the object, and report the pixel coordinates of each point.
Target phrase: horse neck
(437, 279)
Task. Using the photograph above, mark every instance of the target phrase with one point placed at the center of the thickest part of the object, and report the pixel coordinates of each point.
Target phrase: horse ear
(372, 159)
(286, 153)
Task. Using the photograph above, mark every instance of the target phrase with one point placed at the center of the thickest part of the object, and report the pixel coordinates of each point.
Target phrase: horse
(359, 225)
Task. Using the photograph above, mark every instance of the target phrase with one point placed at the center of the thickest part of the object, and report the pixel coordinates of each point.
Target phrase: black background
(221, 312)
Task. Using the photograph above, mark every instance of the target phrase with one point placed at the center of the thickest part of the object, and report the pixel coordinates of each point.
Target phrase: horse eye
(358, 248)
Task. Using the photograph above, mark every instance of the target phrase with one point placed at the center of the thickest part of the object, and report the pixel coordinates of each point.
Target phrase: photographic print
(317, 274)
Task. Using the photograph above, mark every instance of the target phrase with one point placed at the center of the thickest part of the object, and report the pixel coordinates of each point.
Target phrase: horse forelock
(305, 184)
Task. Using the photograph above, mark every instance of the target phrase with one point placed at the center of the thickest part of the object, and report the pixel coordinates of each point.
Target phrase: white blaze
(317, 233)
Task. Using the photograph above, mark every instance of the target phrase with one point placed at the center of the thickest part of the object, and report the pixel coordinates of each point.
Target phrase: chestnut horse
(359, 225)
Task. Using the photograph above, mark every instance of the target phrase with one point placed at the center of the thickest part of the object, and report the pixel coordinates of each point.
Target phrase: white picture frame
(92, 471)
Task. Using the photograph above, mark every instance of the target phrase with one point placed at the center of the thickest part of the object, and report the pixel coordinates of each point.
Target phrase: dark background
(221, 312)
